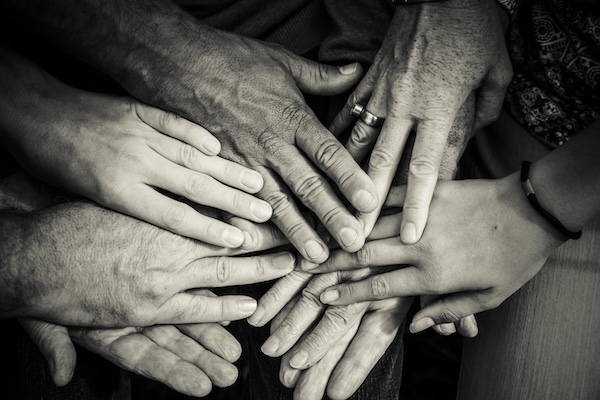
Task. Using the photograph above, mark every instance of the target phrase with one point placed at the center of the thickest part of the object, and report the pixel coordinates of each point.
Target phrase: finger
(375, 253)
(321, 79)
(232, 271)
(207, 191)
(490, 95)
(185, 308)
(376, 332)
(330, 156)
(467, 327)
(384, 161)
(215, 339)
(278, 296)
(396, 196)
(179, 218)
(305, 313)
(336, 321)
(221, 372)
(399, 283)
(141, 355)
(179, 128)
(56, 346)
(312, 383)
(453, 308)
(423, 174)
(225, 171)
(344, 118)
(257, 237)
(314, 190)
(288, 218)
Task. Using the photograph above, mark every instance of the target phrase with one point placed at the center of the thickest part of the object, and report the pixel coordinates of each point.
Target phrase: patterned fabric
(555, 49)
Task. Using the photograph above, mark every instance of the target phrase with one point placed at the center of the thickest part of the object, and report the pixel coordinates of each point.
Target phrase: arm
(505, 244)
(245, 92)
(117, 151)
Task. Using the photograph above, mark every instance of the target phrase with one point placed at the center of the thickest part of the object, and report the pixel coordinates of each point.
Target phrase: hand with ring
(433, 57)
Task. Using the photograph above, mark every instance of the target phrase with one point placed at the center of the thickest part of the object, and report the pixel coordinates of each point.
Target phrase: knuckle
(222, 269)
(328, 153)
(188, 156)
(361, 136)
(168, 118)
(422, 167)
(269, 142)
(378, 286)
(382, 159)
(449, 315)
(175, 217)
(337, 316)
(309, 188)
(310, 295)
(364, 257)
(197, 185)
(293, 115)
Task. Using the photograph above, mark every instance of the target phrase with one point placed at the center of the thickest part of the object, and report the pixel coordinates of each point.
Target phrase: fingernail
(447, 328)
(409, 233)
(306, 265)
(348, 236)
(261, 210)
(348, 69)
(234, 237)
(271, 345)
(247, 239)
(299, 359)
(329, 295)
(290, 377)
(255, 318)
(363, 199)
(247, 305)
(252, 179)
(314, 249)
(284, 261)
(212, 146)
(421, 324)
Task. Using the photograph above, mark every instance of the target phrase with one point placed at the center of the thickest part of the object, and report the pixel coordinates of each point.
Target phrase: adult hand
(432, 58)
(78, 264)
(56, 347)
(188, 358)
(477, 265)
(249, 95)
(118, 152)
(351, 356)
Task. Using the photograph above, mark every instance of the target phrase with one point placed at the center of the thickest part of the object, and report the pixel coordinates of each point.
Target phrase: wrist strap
(536, 204)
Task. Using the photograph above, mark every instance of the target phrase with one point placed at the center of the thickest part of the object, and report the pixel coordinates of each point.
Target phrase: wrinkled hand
(432, 58)
(188, 358)
(482, 243)
(248, 94)
(117, 152)
(85, 265)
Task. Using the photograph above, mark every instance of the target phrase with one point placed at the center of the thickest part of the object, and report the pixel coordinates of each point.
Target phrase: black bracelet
(536, 204)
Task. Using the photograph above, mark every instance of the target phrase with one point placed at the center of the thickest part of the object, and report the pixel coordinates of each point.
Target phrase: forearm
(567, 180)
(129, 41)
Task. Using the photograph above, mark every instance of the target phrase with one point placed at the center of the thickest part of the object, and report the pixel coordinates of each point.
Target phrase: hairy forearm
(567, 181)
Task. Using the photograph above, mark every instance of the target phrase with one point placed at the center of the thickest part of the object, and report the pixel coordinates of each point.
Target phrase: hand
(432, 58)
(117, 152)
(188, 358)
(477, 265)
(248, 94)
(56, 347)
(346, 365)
(84, 265)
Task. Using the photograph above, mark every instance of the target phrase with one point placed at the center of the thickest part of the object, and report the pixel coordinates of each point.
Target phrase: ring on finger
(357, 109)
(371, 119)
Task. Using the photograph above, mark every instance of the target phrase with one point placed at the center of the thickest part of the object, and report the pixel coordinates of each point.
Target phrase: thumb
(322, 79)
(56, 346)
(451, 309)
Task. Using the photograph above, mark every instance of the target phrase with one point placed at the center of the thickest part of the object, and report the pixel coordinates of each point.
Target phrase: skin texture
(504, 245)
(247, 93)
(120, 151)
(414, 86)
